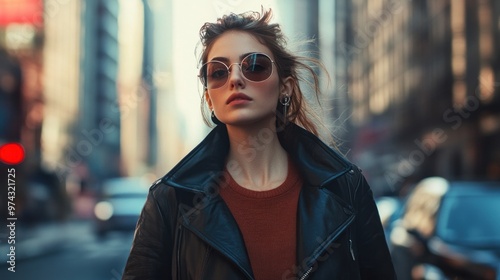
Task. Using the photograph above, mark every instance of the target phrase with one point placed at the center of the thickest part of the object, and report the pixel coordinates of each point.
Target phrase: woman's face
(240, 101)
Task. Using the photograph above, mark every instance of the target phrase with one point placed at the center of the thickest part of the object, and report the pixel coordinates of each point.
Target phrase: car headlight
(103, 210)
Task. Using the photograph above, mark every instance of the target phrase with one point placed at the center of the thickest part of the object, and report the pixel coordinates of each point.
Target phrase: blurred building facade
(21, 40)
(308, 26)
(423, 80)
(39, 194)
(85, 109)
(111, 129)
(99, 112)
(415, 84)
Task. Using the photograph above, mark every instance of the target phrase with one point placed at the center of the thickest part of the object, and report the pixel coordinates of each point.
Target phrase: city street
(107, 104)
(82, 256)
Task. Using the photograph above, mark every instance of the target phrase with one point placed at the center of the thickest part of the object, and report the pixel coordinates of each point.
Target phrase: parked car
(389, 209)
(450, 230)
(120, 204)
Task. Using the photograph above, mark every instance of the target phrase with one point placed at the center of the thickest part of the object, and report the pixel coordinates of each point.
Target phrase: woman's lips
(238, 98)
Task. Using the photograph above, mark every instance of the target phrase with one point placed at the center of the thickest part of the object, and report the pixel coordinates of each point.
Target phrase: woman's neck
(256, 159)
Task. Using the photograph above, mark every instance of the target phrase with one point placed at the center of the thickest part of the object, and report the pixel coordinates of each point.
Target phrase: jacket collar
(321, 216)
(201, 168)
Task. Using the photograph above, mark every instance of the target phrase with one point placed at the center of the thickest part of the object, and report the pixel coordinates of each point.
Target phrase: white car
(120, 204)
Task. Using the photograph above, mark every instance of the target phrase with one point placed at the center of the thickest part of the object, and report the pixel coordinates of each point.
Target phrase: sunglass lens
(214, 74)
(257, 67)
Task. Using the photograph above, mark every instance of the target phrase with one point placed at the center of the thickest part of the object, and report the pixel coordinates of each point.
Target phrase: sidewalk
(34, 241)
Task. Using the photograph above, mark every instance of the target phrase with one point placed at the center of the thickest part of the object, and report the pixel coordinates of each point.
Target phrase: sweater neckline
(290, 181)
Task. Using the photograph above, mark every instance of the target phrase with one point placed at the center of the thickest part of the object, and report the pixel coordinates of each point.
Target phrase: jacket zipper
(179, 239)
(351, 201)
(350, 247)
(306, 274)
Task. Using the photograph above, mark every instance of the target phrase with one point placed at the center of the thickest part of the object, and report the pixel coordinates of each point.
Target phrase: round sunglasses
(255, 67)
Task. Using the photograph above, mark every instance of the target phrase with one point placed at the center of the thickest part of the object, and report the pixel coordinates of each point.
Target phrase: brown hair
(288, 64)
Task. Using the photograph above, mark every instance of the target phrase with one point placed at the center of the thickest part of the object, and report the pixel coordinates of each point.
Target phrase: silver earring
(285, 101)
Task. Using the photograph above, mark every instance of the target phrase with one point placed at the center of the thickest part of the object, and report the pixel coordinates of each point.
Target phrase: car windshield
(470, 219)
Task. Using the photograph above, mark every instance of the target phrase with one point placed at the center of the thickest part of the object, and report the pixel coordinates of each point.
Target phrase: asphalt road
(81, 256)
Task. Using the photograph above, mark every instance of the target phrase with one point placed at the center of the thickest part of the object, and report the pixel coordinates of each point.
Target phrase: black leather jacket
(186, 231)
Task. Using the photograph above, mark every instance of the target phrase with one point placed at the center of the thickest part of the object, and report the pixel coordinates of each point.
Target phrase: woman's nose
(235, 75)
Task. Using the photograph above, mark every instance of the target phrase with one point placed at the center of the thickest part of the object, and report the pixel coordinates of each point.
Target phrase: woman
(261, 197)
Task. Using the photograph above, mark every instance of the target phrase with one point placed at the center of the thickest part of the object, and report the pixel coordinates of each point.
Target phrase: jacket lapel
(205, 213)
(213, 223)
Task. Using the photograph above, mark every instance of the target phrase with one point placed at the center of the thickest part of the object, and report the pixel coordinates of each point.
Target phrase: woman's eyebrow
(225, 59)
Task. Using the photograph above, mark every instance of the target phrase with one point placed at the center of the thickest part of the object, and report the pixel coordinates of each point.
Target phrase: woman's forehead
(231, 45)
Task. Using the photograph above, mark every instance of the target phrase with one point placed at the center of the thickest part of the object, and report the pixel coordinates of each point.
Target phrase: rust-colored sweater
(267, 221)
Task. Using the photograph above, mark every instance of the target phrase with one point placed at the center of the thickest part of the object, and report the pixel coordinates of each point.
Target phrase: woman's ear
(286, 86)
(207, 99)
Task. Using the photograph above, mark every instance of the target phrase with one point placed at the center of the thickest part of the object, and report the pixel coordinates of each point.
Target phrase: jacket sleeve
(151, 253)
(373, 254)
